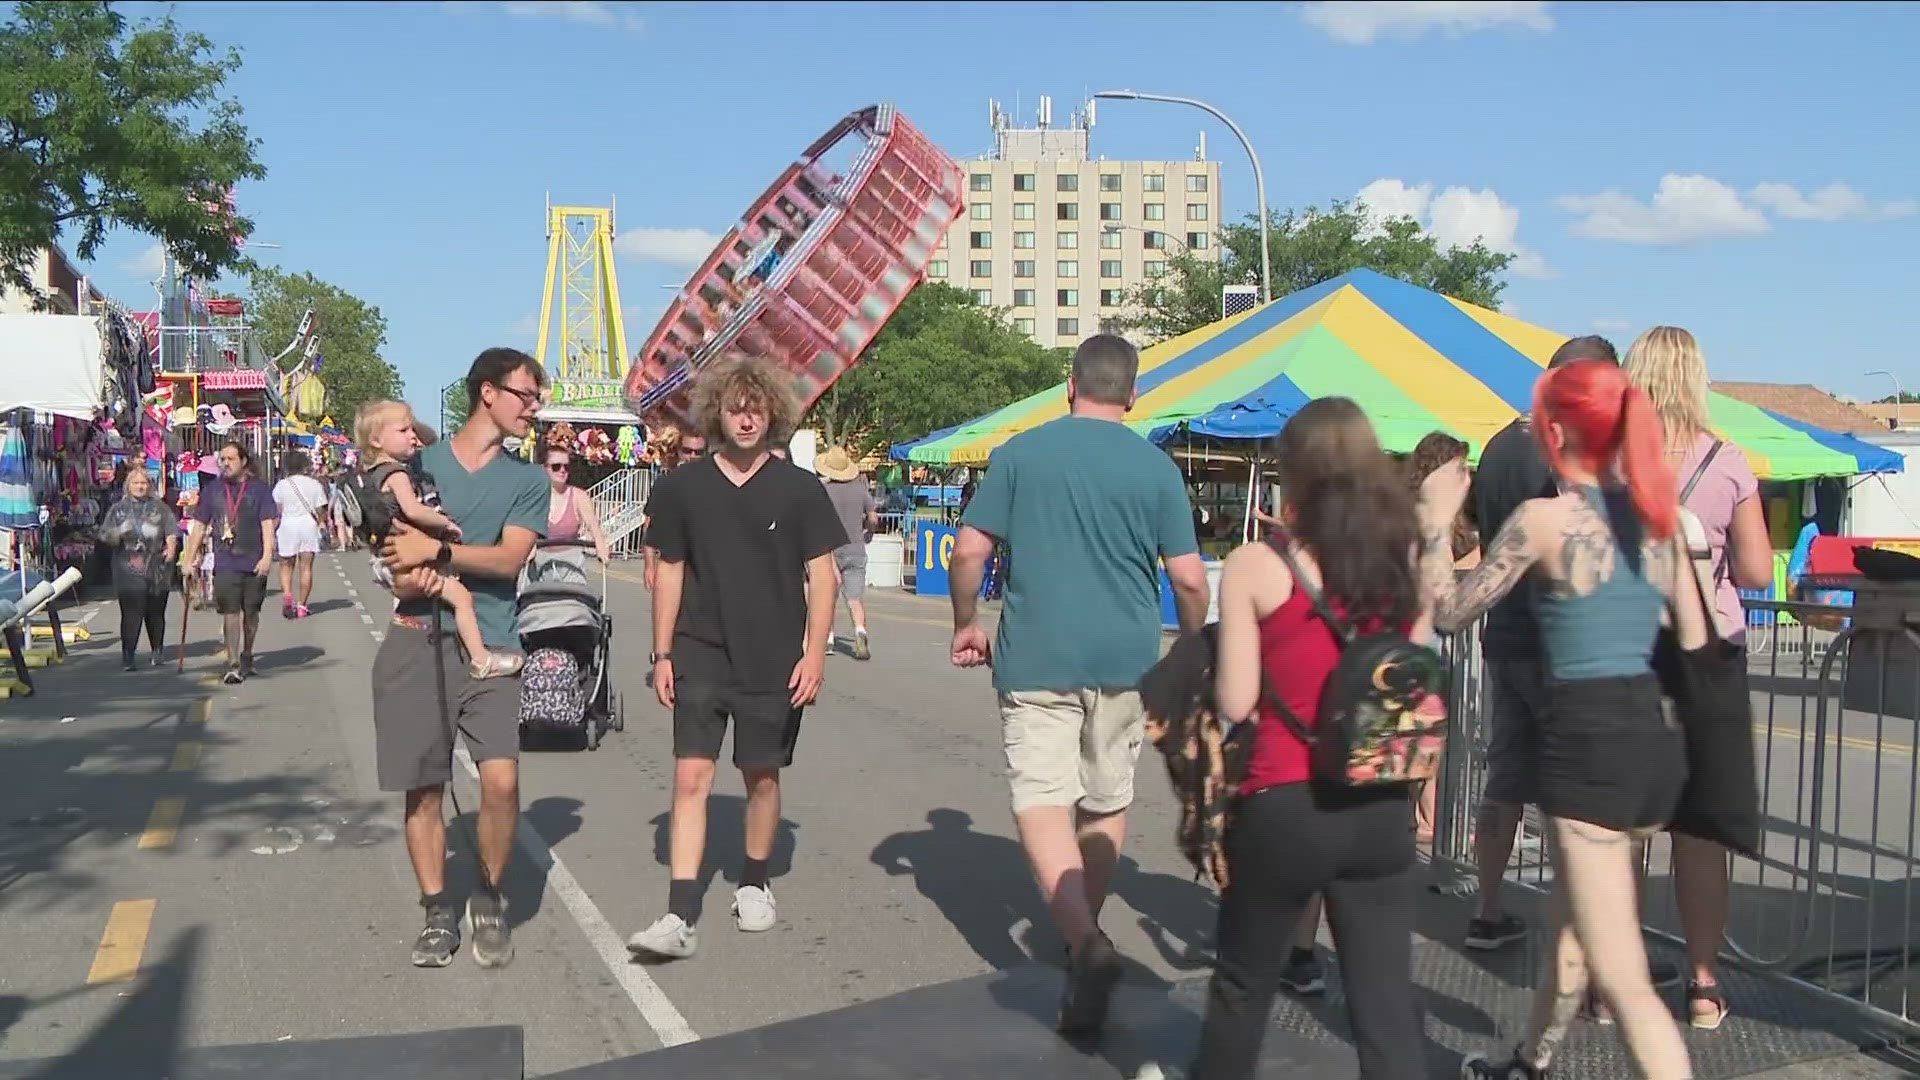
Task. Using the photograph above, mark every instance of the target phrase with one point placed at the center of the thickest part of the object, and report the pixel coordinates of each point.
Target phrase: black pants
(140, 607)
(1286, 844)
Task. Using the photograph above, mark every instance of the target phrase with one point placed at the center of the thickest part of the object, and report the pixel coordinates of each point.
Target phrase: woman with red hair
(1610, 765)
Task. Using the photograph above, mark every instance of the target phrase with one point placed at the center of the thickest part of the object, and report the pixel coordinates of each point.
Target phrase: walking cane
(186, 607)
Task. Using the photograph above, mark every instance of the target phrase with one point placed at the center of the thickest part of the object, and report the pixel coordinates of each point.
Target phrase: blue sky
(1747, 172)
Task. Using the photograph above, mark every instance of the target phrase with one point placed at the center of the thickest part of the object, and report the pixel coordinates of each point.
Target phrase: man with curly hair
(742, 609)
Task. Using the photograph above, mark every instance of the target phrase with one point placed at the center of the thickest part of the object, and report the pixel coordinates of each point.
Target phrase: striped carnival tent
(1415, 360)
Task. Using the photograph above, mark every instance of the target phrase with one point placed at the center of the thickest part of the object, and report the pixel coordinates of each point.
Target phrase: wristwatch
(656, 657)
(445, 556)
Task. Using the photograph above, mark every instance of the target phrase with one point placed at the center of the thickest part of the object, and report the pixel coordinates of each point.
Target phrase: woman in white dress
(302, 502)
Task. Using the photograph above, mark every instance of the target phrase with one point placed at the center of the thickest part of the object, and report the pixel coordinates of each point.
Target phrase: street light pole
(1259, 178)
(1898, 397)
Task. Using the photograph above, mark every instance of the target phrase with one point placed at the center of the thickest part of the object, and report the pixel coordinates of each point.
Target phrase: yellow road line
(1851, 742)
(186, 757)
(201, 712)
(125, 940)
(163, 824)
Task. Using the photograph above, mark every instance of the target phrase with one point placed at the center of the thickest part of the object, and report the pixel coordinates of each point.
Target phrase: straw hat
(835, 464)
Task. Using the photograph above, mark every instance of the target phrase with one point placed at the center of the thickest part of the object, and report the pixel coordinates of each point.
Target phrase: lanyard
(232, 503)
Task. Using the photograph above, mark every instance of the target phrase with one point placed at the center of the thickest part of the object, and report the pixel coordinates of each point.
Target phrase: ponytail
(1609, 417)
(1642, 451)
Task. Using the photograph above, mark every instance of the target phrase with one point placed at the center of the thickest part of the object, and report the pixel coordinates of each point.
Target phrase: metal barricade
(1830, 903)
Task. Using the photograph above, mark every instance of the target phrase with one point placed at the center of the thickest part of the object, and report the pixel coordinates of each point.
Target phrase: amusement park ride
(807, 277)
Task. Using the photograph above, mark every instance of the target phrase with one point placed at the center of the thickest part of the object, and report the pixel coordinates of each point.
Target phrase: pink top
(567, 525)
(1727, 483)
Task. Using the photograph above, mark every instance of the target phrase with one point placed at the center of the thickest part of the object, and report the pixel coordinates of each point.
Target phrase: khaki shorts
(1072, 747)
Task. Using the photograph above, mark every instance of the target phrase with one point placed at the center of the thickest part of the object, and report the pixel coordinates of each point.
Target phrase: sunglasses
(558, 468)
(692, 451)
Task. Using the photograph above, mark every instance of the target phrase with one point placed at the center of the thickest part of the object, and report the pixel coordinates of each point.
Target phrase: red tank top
(1297, 653)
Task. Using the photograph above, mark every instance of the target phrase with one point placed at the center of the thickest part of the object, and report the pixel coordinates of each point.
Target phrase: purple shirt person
(235, 513)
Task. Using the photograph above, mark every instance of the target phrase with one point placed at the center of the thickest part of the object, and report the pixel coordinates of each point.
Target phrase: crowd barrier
(1830, 902)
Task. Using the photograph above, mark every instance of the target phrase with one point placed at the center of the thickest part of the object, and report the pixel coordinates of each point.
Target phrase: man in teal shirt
(1089, 511)
(500, 504)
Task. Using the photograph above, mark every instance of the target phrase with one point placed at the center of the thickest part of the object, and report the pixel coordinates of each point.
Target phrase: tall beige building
(1057, 236)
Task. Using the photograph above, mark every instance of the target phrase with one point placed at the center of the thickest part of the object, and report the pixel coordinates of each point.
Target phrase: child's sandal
(1714, 998)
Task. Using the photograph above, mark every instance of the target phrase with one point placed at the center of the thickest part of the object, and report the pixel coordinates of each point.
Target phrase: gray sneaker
(670, 936)
(753, 908)
(861, 650)
(492, 940)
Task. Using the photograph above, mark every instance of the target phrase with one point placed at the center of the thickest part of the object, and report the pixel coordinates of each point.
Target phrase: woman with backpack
(1349, 536)
(1610, 766)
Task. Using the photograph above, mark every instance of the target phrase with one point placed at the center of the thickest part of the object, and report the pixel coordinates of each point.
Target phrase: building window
(1197, 241)
(1112, 297)
(981, 268)
(937, 268)
(1067, 327)
(1023, 268)
(1066, 297)
(983, 297)
(980, 181)
(1023, 239)
(1154, 268)
(1155, 182)
(1066, 268)
(1155, 211)
(1023, 211)
(1109, 211)
(1110, 181)
(1156, 241)
(1066, 241)
(1024, 326)
(980, 240)
(1196, 211)
(1196, 182)
(1110, 239)
(1066, 211)
(1023, 181)
(980, 211)
(1067, 182)
(1023, 298)
(1110, 268)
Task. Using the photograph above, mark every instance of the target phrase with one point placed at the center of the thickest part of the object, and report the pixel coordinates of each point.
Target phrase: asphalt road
(237, 834)
(230, 844)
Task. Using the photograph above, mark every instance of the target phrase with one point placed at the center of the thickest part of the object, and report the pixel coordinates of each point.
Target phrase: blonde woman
(1717, 485)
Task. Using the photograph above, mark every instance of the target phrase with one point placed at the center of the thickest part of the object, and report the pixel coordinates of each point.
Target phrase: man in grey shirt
(847, 490)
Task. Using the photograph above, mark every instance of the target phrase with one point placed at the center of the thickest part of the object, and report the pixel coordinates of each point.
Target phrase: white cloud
(1362, 22)
(669, 247)
(1835, 202)
(1457, 217)
(614, 14)
(1685, 209)
(1616, 327)
(149, 264)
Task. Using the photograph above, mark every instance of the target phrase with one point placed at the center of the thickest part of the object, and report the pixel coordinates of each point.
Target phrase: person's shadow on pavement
(979, 881)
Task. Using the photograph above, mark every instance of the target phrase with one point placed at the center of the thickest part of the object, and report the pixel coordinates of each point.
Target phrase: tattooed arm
(1506, 562)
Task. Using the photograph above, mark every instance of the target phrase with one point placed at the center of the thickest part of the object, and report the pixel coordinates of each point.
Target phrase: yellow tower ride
(592, 340)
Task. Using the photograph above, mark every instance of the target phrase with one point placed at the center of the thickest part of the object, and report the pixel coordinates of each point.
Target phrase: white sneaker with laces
(753, 908)
(669, 936)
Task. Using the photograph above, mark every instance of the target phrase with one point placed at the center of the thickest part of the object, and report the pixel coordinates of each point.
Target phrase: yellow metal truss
(581, 278)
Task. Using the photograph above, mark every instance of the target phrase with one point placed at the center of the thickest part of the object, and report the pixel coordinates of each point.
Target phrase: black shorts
(766, 725)
(1518, 704)
(1608, 754)
(236, 591)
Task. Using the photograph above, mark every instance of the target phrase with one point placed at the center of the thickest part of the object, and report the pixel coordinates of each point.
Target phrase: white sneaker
(669, 936)
(753, 908)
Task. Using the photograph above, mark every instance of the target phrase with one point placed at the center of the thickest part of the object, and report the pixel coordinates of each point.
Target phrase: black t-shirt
(743, 606)
(1512, 470)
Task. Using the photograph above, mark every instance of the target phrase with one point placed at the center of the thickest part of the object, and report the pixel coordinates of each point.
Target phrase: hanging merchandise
(596, 447)
(18, 509)
(625, 445)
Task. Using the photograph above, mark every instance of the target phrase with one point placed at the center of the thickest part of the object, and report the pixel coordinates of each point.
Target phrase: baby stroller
(565, 688)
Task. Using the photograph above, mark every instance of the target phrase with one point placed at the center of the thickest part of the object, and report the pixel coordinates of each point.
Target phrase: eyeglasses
(528, 398)
(692, 451)
(558, 467)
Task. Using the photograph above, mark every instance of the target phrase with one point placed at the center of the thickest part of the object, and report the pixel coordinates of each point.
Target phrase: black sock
(434, 900)
(1300, 955)
(683, 899)
(754, 872)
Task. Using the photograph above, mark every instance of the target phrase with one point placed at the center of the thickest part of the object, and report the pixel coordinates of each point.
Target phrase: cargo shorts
(1072, 747)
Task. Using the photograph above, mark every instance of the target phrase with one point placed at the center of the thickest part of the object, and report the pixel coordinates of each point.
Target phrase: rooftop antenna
(1201, 153)
(1046, 110)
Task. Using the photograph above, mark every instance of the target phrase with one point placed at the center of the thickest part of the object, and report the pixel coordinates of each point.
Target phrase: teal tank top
(1609, 632)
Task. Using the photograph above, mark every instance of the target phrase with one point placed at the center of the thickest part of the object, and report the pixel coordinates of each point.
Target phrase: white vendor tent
(52, 364)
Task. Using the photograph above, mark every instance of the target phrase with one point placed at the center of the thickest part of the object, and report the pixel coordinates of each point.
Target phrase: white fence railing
(620, 500)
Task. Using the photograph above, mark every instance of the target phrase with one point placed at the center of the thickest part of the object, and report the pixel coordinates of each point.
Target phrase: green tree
(941, 360)
(352, 332)
(103, 125)
(1308, 248)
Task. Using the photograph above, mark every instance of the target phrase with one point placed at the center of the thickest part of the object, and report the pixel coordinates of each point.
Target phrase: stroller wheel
(620, 713)
(593, 734)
